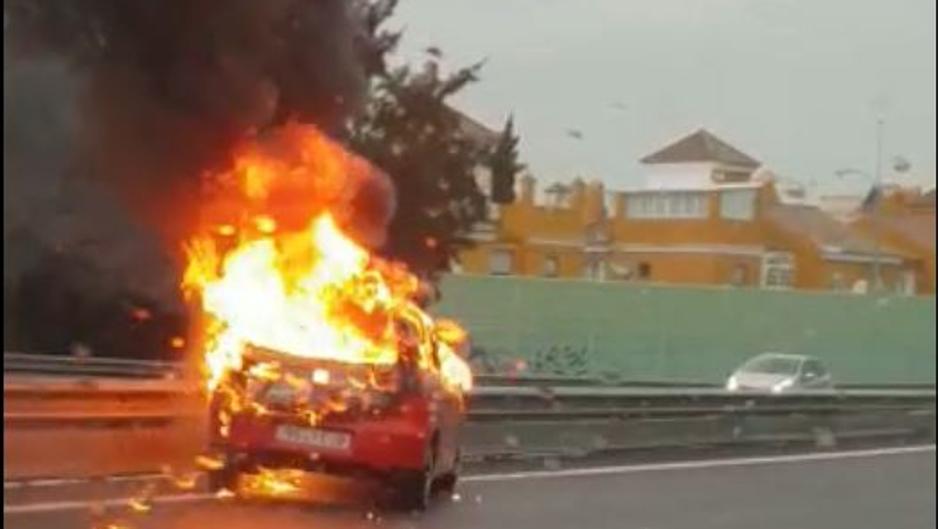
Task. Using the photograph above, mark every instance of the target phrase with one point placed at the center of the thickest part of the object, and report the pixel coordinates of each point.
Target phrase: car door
(448, 408)
(824, 376)
(814, 375)
(438, 401)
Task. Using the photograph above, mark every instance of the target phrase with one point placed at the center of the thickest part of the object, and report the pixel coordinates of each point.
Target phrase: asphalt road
(872, 490)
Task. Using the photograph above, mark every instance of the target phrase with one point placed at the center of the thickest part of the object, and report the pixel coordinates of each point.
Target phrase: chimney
(618, 205)
(528, 188)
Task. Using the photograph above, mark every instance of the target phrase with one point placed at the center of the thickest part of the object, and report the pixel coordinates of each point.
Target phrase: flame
(209, 463)
(270, 274)
(186, 481)
(140, 505)
(114, 525)
(224, 494)
(274, 482)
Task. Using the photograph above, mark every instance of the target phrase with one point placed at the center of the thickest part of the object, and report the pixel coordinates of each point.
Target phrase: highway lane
(874, 490)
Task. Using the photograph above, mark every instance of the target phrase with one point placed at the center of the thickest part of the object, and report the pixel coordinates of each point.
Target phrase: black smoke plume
(114, 110)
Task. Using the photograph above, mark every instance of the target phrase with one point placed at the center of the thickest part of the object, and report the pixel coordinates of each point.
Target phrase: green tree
(504, 165)
(408, 130)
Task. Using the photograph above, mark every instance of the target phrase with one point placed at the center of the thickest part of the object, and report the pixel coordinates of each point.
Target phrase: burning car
(395, 422)
(317, 354)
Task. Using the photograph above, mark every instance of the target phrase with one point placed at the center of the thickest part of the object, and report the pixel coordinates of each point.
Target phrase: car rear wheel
(223, 478)
(416, 489)
(447, 482)
(227, 476)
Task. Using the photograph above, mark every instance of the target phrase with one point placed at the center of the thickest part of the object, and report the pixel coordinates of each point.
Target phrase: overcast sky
(795, 83)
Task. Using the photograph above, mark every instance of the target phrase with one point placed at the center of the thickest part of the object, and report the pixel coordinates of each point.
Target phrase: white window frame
(667, 205)
(501, 268)
(551, 259)
(738, 204)
(595, 269)
(778, 270)
(635, 206)
(907, 282)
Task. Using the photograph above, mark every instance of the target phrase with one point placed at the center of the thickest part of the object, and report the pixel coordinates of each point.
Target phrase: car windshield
(776, 365)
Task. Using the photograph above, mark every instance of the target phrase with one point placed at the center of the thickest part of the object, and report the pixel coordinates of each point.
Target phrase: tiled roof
(824, 231)
(701, 146)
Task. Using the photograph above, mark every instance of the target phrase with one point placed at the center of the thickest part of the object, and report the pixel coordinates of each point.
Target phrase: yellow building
(904, 219)
(703, 217)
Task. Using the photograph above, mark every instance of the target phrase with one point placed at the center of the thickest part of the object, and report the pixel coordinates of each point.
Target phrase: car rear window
(814, 367)
(773, 364)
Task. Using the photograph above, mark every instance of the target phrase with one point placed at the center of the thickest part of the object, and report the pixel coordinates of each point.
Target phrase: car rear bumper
(380, 446)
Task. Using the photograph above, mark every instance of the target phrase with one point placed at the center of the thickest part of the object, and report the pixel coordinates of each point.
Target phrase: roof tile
(701, 146)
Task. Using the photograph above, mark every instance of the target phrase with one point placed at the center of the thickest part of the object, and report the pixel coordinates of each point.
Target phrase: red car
(403, 429)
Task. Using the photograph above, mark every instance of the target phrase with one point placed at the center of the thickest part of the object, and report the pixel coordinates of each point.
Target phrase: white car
(778, 373)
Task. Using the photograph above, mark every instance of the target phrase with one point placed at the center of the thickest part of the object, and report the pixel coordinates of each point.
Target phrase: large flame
(276, 268)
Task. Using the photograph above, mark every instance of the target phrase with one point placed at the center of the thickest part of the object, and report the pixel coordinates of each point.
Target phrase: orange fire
(279, 269)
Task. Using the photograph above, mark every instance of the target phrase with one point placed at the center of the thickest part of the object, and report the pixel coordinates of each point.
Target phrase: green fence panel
(652, 332)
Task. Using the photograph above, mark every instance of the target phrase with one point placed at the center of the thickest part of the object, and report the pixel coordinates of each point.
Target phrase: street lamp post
(876, 178)
(874, 215)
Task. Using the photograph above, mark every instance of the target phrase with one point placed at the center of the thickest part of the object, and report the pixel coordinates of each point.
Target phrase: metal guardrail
(76, 366)
(105, 417)
(76, 398)
(549, 380)
(486, 405)
(577, 421)
(494, 398)
(73, 366)
(508, 404)
(539, 379)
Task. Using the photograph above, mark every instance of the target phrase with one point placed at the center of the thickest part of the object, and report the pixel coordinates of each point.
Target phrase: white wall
(678, 175)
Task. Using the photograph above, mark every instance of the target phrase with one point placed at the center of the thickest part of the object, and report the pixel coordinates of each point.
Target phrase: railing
(75, 366)
(64, 365)
(141, 422)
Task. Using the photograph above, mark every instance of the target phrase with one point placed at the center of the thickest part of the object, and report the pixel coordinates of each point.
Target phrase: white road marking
(30, 483)
(40, 483)
(573, 472)
(85, 504)
(707, 463)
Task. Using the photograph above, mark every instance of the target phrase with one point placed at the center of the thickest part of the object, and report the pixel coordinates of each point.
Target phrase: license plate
(313, 438)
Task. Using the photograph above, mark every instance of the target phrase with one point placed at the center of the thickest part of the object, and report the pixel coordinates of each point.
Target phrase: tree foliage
(504, 166)
(408, 129)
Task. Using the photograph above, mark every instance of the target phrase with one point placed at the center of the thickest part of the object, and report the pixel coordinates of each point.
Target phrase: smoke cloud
(114, 112)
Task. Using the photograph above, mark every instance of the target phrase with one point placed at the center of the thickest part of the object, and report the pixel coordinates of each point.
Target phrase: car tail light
(321, 376)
